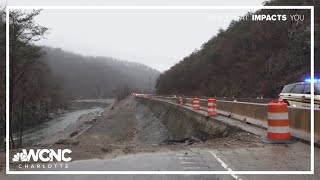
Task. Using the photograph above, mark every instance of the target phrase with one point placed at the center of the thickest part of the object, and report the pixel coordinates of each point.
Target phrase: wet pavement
(256, 159)
(224, 155)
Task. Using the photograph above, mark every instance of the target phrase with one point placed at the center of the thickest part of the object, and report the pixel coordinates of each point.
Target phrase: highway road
(195, 159)
(239, 152)
(161, 177)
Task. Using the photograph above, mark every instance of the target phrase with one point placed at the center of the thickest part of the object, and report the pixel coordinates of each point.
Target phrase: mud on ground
(128, 129)
(124, 128)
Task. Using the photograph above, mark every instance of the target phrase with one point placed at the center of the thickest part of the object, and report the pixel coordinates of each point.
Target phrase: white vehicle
(299, 94)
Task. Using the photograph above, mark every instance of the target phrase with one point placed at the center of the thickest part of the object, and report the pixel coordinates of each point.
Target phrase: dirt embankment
(129, 127)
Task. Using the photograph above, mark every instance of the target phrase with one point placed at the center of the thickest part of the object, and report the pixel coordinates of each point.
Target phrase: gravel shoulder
(126, 127)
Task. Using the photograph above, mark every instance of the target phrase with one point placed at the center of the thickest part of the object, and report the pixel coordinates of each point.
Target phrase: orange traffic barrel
(212, 107)
(196, 103)
(278, 123)
(180, 102)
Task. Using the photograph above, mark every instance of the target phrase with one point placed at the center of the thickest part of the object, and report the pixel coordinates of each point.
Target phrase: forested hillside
(248, 59)
(97, 77)
(44, 80)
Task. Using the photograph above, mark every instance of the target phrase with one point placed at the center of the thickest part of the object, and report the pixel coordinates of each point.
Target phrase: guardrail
(256, 114)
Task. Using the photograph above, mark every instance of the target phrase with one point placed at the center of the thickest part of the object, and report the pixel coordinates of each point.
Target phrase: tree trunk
(10, 116)
(21, 122)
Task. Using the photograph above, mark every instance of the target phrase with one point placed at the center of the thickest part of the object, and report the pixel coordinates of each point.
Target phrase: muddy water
(48, 128)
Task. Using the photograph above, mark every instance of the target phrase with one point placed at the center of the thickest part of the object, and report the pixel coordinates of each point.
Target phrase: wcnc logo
(44, 155)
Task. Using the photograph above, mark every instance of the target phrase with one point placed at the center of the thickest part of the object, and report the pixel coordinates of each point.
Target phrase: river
(51, 127)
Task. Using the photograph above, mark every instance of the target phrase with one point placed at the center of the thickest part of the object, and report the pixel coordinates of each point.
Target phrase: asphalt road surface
(191, 160)
(122, 129)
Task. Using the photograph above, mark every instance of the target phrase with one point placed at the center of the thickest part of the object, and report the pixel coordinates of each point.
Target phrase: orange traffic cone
(278, 123)
(196, 103)
(212, 110)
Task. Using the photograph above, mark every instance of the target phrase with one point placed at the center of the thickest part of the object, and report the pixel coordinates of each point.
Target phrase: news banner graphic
(37, 159)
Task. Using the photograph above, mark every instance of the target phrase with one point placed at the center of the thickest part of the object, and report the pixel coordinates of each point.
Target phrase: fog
(157, 38)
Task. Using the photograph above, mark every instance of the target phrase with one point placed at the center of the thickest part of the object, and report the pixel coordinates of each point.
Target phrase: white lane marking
(224, 165)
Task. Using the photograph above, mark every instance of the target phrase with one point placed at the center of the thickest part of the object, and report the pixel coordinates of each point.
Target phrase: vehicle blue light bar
(309, 80)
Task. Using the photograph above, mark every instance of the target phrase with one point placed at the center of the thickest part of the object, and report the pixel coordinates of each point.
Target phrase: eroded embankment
(133, 126)
(149, 129)
(183, 123)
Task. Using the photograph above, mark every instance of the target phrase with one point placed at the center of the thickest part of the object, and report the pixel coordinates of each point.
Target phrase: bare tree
(2, 73)
(23, 53)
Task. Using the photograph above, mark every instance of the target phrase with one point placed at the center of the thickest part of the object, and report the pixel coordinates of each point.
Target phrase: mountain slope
(248, 59)
(97, 77)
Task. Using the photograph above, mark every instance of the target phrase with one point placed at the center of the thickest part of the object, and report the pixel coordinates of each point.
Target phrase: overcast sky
(157, 38)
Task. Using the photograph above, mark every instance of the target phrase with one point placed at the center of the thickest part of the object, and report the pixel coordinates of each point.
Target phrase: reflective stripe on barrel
(278, 121)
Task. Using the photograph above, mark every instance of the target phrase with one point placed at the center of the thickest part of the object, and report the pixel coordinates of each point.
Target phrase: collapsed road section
(135, 133)
(182, 123)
